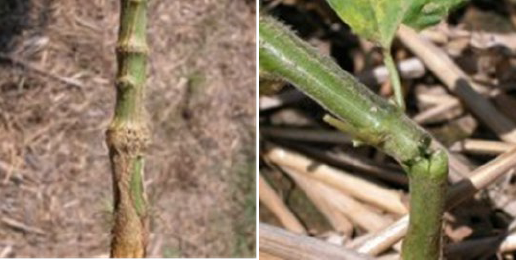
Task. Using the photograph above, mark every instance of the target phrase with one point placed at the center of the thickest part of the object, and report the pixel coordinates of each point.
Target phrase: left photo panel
(128, 129)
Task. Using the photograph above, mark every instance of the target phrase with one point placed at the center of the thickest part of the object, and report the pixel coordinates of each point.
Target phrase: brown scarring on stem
(128, 134)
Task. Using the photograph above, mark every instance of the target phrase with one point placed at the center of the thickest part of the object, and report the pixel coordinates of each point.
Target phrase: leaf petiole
(395, 78)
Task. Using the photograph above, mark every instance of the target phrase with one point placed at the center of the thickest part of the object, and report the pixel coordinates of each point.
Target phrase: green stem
(395, 78)
(284, 55)
(128, 134)
(369, 118)
(428, 183)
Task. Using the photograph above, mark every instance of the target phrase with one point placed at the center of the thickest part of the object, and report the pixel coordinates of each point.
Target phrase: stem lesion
(127, 142)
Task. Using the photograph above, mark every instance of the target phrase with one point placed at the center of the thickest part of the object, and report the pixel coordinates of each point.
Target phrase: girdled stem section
(128, 134)
(127, 143)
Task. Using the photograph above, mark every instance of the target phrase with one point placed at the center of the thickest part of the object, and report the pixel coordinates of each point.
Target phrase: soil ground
(57, 66)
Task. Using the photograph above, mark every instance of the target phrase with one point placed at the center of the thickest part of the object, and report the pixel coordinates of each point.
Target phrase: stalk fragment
(128, 134)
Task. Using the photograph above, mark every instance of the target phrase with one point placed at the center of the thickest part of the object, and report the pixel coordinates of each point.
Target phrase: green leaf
(375, 20)
(424, 13)
(378, 20)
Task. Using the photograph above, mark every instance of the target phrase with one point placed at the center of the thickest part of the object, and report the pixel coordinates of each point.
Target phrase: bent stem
(128, 134)
(395, 78)
(372, 120)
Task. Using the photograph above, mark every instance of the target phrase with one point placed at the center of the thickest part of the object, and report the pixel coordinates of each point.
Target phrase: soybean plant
(369, 118)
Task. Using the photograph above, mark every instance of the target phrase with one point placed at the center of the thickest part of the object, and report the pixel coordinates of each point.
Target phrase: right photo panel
(387, 129)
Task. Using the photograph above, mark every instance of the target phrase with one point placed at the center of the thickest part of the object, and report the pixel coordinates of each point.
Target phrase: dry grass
(56, 98)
